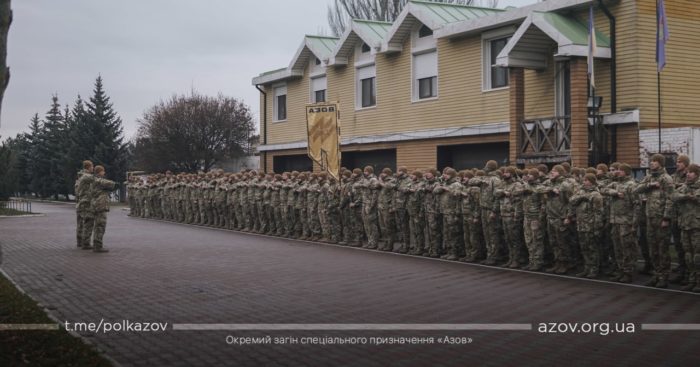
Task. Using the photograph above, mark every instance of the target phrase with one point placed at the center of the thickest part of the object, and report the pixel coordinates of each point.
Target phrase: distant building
(452, 85)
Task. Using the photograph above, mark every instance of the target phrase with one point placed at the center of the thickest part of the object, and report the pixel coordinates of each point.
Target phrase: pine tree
(110, 149)
(52, 150)
(36, 167)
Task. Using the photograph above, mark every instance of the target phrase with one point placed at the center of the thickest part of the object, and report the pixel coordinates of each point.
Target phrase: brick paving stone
(166, 272)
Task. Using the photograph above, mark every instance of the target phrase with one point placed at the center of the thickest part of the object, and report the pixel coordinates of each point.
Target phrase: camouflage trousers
(335, 230)
(624, 243)
(324, 221)
(559, 240)
(433, 235)
(360, 235)
(473, 239)
(658, 246)
(451, 227)
(402, 225)
(678, 245)
(314, 221)
(347, 224)
(416, 226)
(513, 236)
(607, 253)
(387, 228)
(369, 221)
(590, 249)
(80, 216)
(99, 230)
(690, 238)
(260, 216)
(534, 240)
(304, 219)
(240, 219)
(492, 234)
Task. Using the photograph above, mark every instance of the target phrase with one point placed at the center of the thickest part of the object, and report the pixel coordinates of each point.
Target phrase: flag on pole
(661, 34)
(323, 133)
(591, 46)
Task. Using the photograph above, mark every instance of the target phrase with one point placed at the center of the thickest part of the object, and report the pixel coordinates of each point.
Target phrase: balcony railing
(545, 140)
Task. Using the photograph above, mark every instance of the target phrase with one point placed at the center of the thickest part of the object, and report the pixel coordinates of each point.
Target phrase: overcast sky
(148, 50)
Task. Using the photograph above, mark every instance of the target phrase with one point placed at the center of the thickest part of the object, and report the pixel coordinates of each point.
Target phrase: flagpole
(658, 103)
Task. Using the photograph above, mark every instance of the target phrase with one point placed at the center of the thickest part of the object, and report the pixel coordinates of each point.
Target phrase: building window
(369, 96)
(494, 76)
(425, 75)
(280, 103)
(427, 87)
(366, 86)
(317, 61)
(365, 48)
(318, 89)
(424, 31)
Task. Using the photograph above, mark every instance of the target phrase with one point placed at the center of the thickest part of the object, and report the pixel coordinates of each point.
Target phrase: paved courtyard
(166, 272)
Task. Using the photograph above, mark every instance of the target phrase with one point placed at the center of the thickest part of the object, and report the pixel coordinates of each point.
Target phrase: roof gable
(370, 32)
(317, 46)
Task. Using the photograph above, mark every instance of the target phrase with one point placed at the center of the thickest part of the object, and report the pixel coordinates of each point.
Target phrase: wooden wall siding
(517, 110)
(628, 144)
(460, 99)
(579, 112)
(416, 154)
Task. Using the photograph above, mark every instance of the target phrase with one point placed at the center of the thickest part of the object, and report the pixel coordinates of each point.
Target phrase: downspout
(613, 77)
(264, 123)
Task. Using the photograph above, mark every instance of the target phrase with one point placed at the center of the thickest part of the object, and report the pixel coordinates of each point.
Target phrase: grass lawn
(38, 347)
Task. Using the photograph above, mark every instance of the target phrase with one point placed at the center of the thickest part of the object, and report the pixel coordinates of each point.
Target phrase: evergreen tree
(110, 149)
(52, 151)
(35, 167)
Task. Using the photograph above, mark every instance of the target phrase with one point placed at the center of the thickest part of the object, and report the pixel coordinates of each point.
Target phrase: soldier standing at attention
(587, 209)
(511, 213)
(344, 207)
(534, 221)
(433, 235)
(99, 193)
(416, 215)
(356, 208)
(558, 190)
(658, 188)
(489, 212)
(679, 179)
(370, 195)
(687, 198)
(400, 195)
(82, 199)
(447, 197)
(385, 208)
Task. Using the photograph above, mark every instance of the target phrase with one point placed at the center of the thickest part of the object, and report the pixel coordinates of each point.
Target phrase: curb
(391, 253)
(22, 216)
(61, 323)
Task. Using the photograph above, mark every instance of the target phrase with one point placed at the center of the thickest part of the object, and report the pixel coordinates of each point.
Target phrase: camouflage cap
(491, 166)
(357, 171)
(694, 168)
(368, 168)
(512, 170)
(560, 169)
(387, 171)
(418, 173)
(543, 168)
(602, 167)
(626, 168)
(683, 159)
(590, 177)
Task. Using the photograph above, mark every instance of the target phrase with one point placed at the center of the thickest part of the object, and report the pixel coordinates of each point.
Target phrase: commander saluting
(99, 206)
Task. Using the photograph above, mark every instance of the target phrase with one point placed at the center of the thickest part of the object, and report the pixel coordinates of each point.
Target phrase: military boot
(652, 281)
(626, 278)
(514, 264)
(592, 273)
(583, 273)
(615, 276)
(562, 269)
(553, 268)
(662, 282)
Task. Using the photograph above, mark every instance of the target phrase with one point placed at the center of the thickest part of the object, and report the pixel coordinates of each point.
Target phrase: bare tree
(5, 21)
(340, 12)
(191, 133)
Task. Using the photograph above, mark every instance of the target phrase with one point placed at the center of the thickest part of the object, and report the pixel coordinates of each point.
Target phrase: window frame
(486, 63)
(279, 91)
(423, 46)
(313, 91)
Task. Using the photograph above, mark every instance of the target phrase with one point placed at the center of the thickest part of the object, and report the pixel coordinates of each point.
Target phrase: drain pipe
(264, 127)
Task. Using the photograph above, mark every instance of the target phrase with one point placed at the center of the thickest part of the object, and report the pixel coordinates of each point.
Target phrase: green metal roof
(443, 13)
(272, 71)
(322, 46)
(374, 30)
(574, 29)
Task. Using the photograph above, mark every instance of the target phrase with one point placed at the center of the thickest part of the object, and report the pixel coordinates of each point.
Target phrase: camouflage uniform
(416, 215)
(471, 221)
(99, 206)
(356, 211)
(558, 191)
(370, 195)
(623, 220)
(332, 193)
(534, 223)
(385, 209)
(511, 213)
(659, 207)
(82, 197)
(490, 219)
(302, 209)
(312, 192)
(679, 179)
(433, 241)
(447, 197)
(587, 208)
(346, 212)
(323, 218)
(400, 197)
(687, 199)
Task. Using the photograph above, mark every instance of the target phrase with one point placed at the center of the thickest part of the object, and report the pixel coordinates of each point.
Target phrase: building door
(288, 163)
(466, 156)
(562, 80)
(379, 159)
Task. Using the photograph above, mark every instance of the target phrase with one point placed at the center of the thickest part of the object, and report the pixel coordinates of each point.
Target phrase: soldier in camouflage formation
(658, 188)
(313, 190)
(489, 213)
(510, 207)
(416, 214)
(332, 192)
(433, 235)
(534, 221)
(448, 194)
(587, 210)
(369, 190)
(623, 218)
(302, 208)
(346, 215)
(323, 207)
(471, 219)
(356, 208)
(99, 206)
(557, 191)
(385, 210)
(679, 179)
(687, 199)
(400, 196)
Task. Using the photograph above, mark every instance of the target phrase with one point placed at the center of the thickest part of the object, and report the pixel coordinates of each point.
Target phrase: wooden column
(516, 86)
(579, 112)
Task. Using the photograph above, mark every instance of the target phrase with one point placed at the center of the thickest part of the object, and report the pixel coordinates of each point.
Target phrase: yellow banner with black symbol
(323, 132)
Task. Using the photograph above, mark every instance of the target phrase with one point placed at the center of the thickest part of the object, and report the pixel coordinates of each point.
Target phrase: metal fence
(17, 204)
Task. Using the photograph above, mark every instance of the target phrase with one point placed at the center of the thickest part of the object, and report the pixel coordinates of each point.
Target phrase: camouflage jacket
(557, 204)
(414, 202)
(369, 187)
(489, 184)
(687, 199)
(401, 193)
(622, 210)
(509, 197)
(447, 196)
(99, 194)
(659, 203)
(533, 202)
(386, 194)
(587, 208)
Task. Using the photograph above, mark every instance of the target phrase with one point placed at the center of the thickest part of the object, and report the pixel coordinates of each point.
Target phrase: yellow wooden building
(450, 85)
